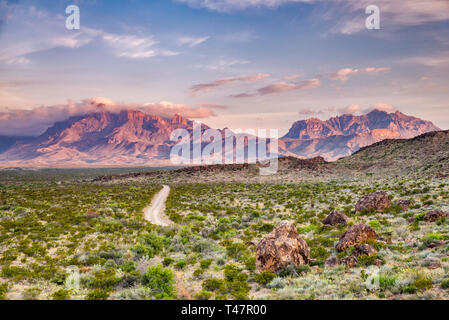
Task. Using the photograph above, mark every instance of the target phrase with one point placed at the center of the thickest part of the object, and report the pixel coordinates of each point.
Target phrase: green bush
(62, 294)
(444, 284)
(422, 283)
(265, 277)
(180, 264)
(97, 294)
(3, 290)
(167, 261)
(203, 295)
(160, 281)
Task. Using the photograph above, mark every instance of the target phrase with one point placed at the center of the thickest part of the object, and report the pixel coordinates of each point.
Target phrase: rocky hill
(343, 135)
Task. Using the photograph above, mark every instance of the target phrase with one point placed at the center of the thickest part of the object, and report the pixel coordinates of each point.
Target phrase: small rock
(378, 201)
(404, 204)
(282, 247)
(336, 218)
(350, 261)
(92, 214)
(354, 236)
(434, 215)
(364, 249)
(378, 262)
(331, 262)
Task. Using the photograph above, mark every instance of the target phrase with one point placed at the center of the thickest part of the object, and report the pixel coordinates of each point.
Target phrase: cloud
(18, 43)
(349, 15)
(35, 121)
(191, 41)
(351, 109)
(343, 74)
(206, 87)
(231, 5)
(280, 87)
(213, 106)
(381, 107)
(435, 61)
(346, 73)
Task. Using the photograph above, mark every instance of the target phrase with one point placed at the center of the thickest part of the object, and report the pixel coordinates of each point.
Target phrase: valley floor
(68, 239)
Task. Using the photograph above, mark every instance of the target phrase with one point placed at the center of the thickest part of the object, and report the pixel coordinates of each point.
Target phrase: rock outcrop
(434, 215)
(378, 201)
(336, 218)
(282, 247)
(354, 236)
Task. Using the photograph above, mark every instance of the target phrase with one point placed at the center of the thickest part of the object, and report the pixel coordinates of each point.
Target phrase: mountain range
(134, 138)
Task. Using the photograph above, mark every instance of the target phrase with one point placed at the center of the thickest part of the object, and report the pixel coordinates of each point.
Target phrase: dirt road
(155, 213)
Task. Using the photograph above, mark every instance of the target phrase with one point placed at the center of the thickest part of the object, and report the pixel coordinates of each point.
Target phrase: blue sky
(239, 64)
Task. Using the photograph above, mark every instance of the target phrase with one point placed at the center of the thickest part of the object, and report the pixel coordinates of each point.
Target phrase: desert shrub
(386, 281)
(212, 284)
(265, 277)
(104, 279)
(203, 295)
(167, 261)
(444, 284)
(3, 290)
(422, 283)
(128, 266)
(31, 293)
(205, 264)
(250, 263)
(97, 294)
(236, 250)
(292, 270)
(160, 281)
(62, 294)
(236, 284)
(320, 254)
(180, 264)
(365, 260)
(277, 283)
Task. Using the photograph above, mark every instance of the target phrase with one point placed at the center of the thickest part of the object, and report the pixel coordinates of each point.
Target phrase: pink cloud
(35, 121)
(346, 73)
(280, 87)
(351, 109)
(206, 87)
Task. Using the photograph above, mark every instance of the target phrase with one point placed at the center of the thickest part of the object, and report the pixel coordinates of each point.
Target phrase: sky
(247, 64)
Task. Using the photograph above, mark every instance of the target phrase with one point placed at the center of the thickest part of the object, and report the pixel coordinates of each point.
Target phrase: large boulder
(354, 236)
(282, 247)
(434, 215)
(378, 201)
(336, 218)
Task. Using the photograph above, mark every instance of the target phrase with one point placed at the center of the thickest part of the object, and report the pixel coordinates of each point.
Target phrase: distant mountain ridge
(134, 138)
(343, 135)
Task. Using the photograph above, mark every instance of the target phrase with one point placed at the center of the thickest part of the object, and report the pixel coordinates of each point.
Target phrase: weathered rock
(404, 204)
(282, 247)
(434, 215)
(92, 214)
(378, 201)
(350, 261)
(336, 218)
(354, 236)
(364, 249)
(378, 262)
(331, 262)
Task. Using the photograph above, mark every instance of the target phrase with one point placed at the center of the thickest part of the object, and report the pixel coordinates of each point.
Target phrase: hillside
(343, 135)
